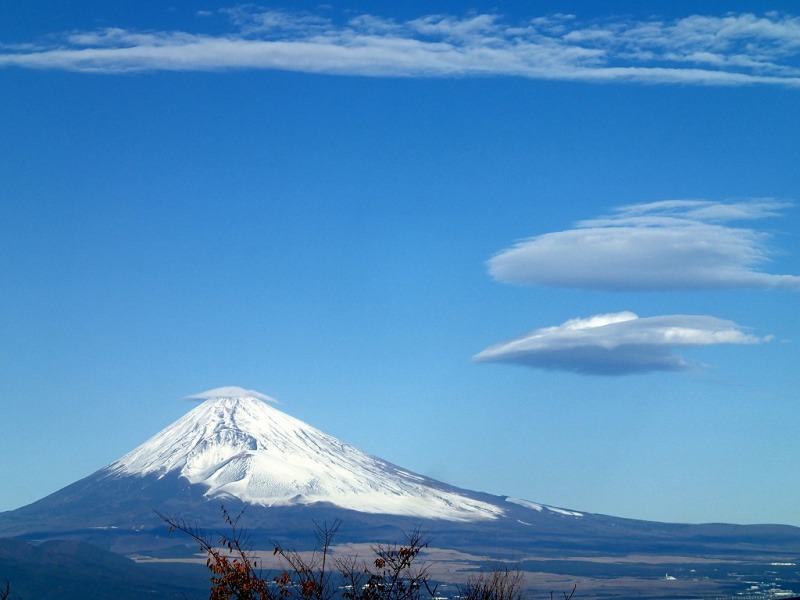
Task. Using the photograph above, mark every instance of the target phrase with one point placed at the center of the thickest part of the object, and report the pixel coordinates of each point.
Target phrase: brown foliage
(394, 573)
(236, 574)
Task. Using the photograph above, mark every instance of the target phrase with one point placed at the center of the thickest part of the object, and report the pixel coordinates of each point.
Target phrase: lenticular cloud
(677, 244)
(617, 343)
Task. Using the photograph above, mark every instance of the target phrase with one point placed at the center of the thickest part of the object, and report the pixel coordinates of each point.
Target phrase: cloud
(617, 343)
(230, 391)
(674, 244)
(736, 49)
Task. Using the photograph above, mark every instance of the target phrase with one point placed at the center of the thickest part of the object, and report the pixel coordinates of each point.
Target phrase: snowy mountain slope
(235, 445)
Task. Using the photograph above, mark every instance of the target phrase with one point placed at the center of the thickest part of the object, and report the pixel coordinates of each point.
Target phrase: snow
(236, 445)
(540, 507)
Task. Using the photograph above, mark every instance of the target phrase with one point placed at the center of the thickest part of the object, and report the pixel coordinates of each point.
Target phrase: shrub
(394, 573)
(237, 574)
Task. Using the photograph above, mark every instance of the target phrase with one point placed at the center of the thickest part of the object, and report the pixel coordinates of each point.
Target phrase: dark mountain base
(71, 570)
(119, 514)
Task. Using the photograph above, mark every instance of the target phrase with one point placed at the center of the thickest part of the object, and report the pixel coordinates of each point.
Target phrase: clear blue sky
(545, 250)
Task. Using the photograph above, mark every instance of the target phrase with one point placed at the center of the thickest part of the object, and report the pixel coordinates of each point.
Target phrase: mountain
(63, 570)
(236, 450)
(234, 445)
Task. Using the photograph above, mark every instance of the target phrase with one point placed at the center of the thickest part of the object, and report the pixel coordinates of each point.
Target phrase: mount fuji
(234, 445)
(235, 449)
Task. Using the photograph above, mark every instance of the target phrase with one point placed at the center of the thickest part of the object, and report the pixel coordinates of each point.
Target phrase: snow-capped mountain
(236, 450)
(235, 445)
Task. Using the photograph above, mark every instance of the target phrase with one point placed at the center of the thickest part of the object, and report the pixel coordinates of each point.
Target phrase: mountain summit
(235, 445)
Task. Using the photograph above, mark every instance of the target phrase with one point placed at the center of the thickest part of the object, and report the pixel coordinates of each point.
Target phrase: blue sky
(545, 250)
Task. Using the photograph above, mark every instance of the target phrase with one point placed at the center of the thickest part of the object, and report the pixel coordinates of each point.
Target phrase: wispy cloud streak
(617, 343)
(667, 245)
(736, 49)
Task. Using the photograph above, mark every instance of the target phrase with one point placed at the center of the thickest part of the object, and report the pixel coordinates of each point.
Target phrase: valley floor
(619, 577)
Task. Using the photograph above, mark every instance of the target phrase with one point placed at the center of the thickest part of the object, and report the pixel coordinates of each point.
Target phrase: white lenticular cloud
(230, 391)
(675, 244)
(617, 343)
(731, 50)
